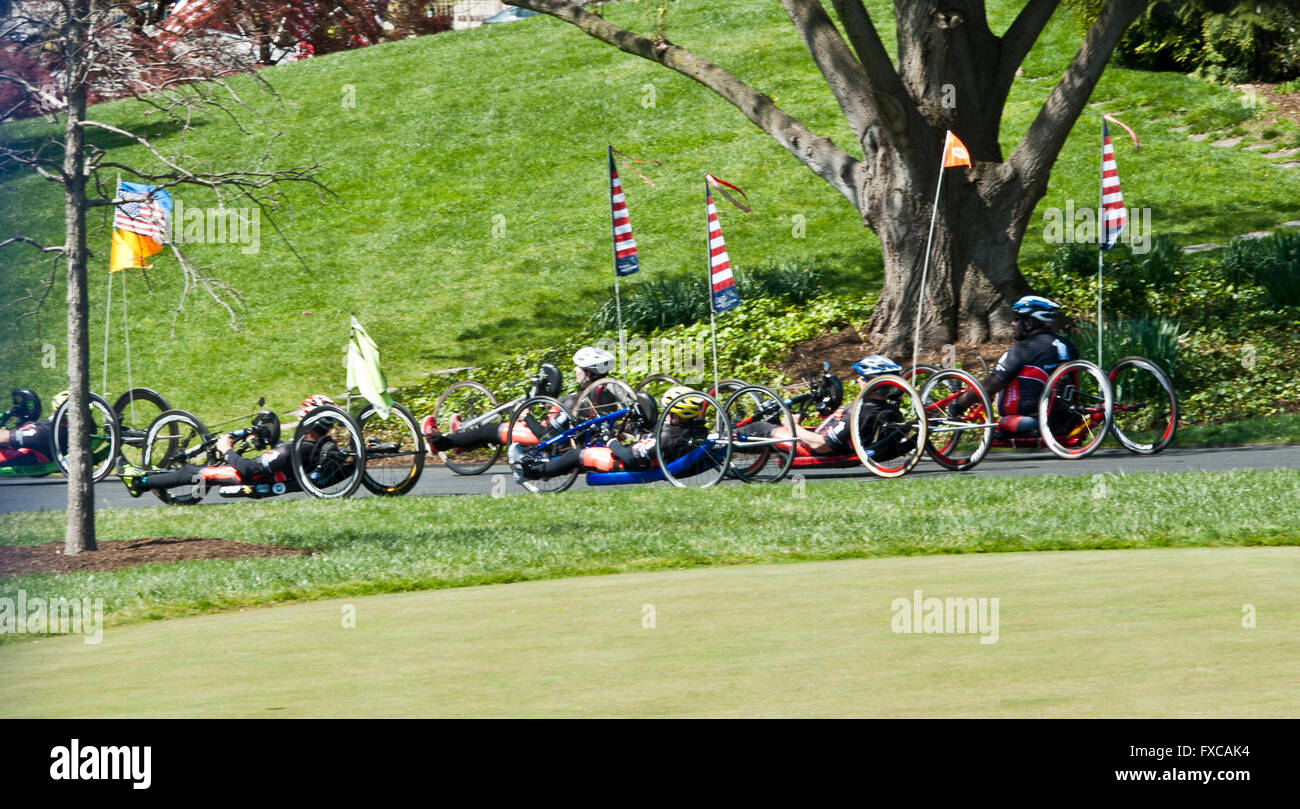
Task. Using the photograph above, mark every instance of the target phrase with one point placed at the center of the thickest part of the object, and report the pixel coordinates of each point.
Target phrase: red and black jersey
(1024, 369)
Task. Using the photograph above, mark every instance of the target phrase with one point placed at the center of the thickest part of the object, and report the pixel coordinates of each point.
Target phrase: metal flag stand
(948, 142)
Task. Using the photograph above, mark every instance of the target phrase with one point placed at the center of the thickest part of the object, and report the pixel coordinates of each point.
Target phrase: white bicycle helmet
(595, 361)
(313, 402)
(875, 365)
(1036, 307)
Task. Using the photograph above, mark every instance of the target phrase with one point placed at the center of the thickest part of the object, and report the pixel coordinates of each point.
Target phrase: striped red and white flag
(1113, 214)
(625, 256)
(722, 284)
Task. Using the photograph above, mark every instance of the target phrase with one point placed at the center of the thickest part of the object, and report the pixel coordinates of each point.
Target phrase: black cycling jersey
(1024, 369)
(39, 436)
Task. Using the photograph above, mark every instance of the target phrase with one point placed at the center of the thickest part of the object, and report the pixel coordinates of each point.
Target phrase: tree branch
(1033, 157)
(1016, 44)
(819, 154)
(888, 95)
(844, 74)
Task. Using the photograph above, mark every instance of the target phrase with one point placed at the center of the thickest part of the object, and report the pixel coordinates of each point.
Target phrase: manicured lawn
(1096, 633)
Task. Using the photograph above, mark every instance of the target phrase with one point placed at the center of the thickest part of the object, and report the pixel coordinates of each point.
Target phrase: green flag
(364, 373)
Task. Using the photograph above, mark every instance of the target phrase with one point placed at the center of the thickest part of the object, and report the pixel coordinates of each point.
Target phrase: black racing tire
(542, 418)
(391, 471)
(105, 437)
(333, 469)
(468, 400)
(178, 438)
(715, 435)
(1146, 406)
(762, 462)
(136, 410)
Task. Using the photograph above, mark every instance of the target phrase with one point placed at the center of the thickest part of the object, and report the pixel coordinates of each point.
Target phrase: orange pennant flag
(954, 152)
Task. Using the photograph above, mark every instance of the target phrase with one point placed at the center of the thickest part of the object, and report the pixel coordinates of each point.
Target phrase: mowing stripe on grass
(1129, 633)
(380, 545)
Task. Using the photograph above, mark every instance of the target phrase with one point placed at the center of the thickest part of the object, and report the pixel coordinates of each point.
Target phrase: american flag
(625, 260)
(721, 283)
(145, 211)
(1114, 216)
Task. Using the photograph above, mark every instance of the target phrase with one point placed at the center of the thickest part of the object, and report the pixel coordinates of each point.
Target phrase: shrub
(1279, 275)
(1153, 337)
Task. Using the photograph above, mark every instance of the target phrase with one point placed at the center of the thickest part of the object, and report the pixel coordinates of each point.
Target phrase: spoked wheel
(603, 397)
(136, 410)
(177, 438)
(700, 449)
(957, 444)
(331, 466)
(462, 405)
(917, 375)
(538, 429)
(1146, 408)
(1075, 410)
(888, 426)
(726, 387)
(657, 385)
(105, 437)
(394, 451)
(755, 412)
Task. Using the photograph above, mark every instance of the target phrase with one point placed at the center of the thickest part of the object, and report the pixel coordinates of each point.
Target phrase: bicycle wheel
(755, 455)
(1075, 409)
(603, 397)
(105, 437)
(177, 438)
(701, 447)
(917, 375)
(136, 410)
(888, 426)
(723, 391)
(466, 404)
(1146, 408)
(538, 428)
(332, 466)
(394, 451)
(956, 444)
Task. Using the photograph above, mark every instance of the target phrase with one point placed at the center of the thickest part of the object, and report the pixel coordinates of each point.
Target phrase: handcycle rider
(682, 429)
(590, 364)
(834, 435)
(31, 441)
(272, 466)
(1020, 375)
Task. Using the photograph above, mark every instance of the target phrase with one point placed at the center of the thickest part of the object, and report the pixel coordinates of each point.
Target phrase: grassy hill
(473, 220)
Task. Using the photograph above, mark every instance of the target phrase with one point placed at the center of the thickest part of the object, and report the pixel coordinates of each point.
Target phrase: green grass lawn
(473, 221)
(1149, 633)
(374, 545)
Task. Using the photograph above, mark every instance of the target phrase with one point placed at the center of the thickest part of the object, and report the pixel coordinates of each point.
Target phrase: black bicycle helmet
(27, 406)
(266, 429)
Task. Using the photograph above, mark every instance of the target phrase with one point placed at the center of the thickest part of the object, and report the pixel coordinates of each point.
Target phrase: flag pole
(925, 267)
(708, 285)
(618, 299)
(1101, 235)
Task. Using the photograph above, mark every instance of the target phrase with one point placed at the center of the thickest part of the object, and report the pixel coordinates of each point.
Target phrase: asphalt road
(43, 494)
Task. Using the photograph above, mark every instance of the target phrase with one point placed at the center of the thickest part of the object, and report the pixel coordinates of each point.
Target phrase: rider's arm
(1005, 370)
(816, 442)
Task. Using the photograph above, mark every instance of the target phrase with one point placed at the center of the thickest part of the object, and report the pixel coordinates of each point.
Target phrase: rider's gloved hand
(225, 443)
(956, 412)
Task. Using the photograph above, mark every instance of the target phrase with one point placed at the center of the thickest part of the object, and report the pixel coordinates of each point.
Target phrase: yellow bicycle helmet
(689, 407)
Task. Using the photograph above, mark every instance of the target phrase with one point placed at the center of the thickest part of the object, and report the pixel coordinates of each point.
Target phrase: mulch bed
(18, 560)
(845, 347)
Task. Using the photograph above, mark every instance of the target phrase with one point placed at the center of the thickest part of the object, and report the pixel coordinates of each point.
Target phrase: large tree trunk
(80, 533)
(972, 276)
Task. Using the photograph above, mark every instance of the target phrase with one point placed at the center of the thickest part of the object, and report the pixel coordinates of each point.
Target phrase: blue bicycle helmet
(875, 365)
(1037, 308)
